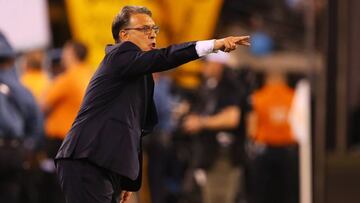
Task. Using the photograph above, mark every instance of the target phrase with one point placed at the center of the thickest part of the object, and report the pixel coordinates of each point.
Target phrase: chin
(146, 48)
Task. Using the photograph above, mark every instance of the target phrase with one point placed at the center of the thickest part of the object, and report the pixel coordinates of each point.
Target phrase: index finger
(241, 38)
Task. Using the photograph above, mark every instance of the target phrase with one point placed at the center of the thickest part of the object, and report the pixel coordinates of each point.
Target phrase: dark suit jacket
(118, 108)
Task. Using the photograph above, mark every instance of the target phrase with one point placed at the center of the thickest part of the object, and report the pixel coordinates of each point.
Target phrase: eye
(147, 28)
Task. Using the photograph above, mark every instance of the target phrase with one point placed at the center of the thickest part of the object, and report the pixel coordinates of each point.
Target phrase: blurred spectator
(273, 153)
(20, 127)
(157, 146)
(261, 42)
(164, 100)
(64, 96)
(215, 118)
(61, 105)
(34, 77)
(249, 80)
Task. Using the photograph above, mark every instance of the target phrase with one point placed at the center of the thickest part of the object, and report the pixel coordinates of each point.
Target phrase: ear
(123, 35)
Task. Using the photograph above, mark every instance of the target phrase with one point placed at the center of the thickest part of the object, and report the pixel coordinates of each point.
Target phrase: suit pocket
(117, 147)
(113, 133)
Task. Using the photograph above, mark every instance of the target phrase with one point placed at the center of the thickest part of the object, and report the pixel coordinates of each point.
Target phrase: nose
(152, 34)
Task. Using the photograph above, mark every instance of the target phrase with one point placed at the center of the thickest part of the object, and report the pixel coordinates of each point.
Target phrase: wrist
(218, 43)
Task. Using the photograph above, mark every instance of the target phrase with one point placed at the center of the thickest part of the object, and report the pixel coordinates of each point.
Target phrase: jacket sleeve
(136, 62)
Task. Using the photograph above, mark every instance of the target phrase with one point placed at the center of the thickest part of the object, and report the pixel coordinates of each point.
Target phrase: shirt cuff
(204, 47)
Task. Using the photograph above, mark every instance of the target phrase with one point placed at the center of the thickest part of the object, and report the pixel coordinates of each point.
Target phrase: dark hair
(122, 19)
(80, 50)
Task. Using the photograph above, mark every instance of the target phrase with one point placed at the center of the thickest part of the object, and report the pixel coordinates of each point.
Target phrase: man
(274, 151)
(20, 127)
(64, 95)
(101, 154)
(214, 119)
(61, 104)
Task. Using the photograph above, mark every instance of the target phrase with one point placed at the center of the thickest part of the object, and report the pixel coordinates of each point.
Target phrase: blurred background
(276, 122)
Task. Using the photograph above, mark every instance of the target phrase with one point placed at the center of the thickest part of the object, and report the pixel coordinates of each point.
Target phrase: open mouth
(153, 45)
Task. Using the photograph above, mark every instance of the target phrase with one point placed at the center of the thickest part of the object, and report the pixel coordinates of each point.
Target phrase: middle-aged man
(101, 154)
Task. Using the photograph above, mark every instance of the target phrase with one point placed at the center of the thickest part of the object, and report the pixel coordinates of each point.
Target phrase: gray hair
(122, 19)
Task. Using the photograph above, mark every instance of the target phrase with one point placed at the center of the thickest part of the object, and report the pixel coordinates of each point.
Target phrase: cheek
(141, 41)
(144, 43)
(138, 39)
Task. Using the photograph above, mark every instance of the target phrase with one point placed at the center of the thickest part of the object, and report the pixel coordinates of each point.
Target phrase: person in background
(157, 146)
(215, 119)
(261, 41)
(273, 153)
(64, 95)
(61, 103)
(34, 76)
(20, 128)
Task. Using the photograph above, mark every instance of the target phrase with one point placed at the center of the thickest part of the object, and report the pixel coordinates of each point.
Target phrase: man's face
(146, 41)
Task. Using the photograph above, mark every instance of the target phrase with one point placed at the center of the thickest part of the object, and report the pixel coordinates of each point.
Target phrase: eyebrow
(149, 25)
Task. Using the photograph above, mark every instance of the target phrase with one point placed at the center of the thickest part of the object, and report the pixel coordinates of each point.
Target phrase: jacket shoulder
(122, 47)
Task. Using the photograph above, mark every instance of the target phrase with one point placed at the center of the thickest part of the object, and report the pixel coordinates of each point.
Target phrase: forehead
(141, 19)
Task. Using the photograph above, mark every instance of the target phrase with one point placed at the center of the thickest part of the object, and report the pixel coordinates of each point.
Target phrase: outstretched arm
(158, 60)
